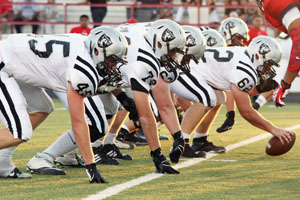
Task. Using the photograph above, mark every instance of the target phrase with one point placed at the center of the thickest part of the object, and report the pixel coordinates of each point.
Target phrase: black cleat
(140, 133)
(228, 123)
(112, 151)
(191, 153)
(207, 147)
(103, 159)
(138, 141)
(256, 106)
(17, 174)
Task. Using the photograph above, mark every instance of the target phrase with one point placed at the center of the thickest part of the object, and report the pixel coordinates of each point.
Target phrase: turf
(243, 173)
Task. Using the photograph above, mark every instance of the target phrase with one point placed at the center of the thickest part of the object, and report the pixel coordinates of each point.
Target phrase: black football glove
(129, 105)
(177, 148)
(93, 174)
(228, 123)
(266, 85)
(161, 163)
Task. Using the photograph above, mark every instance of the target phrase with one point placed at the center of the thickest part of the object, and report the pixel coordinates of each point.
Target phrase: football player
(80, 66)
(238, 70)
(285, 16)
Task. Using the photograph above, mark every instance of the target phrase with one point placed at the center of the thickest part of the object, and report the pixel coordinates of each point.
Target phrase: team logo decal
(229, 25)
(190, 41)
(168, 36)
(104, 41)
(264, 49)
(211, 41)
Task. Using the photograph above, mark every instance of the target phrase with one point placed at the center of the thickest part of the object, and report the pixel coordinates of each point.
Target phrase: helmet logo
(104, 41)
(211, 41)
(229, 25)
(190, 41)
(167, 36)
(264, 49)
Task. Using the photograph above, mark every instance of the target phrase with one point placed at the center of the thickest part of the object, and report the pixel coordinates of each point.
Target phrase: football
(275, 148)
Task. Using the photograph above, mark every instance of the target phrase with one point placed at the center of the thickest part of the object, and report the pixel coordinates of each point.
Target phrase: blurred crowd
(49, 13)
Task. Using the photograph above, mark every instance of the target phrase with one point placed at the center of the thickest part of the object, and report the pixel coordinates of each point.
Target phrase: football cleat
(131, 137)
(207, 146)
(191, 153)
(255, 106)
(122, 144)
(140, 133)
(16, 173)
(112, 151)
(70, 160)
(103, 159)
(42, 164)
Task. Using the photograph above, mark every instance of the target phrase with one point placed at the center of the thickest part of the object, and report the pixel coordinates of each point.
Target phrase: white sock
(159, 124)
(199, 135)
(97, 143)
(6, 165)
(109, 138)
(185, 136)
(261, 100)
(62, 145)
(125, 127)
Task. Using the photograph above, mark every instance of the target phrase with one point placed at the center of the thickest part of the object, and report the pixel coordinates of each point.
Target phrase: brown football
(275, 148)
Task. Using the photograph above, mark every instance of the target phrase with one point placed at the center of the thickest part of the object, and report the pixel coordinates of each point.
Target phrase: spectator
(256, 30)
(27, 13)
(98, 13)
(5, 13)
(252, 12)
(166, 12)
(213, 15)
(240, 11)
(83, 28)
(182, 10)
(146, 14)
(49, 14)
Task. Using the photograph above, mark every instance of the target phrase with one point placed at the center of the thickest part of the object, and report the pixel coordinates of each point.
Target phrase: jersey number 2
(49, 48)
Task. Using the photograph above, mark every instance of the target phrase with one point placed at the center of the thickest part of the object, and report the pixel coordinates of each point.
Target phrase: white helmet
(167, 39)
(234, 30)
(267, 52)
(194, 46)
(108, 48)
(214, 38)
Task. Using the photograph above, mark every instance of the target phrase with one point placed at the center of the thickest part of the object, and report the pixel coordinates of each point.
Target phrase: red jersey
(5, 7)
(254, 33)
(275, 10)
(80, 30)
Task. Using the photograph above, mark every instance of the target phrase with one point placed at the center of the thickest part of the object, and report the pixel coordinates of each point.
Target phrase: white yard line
(149, 177)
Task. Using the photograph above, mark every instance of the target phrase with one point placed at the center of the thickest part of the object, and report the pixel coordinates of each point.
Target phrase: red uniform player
(285, 16)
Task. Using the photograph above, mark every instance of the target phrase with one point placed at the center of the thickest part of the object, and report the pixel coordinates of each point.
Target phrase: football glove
(93, 174)
(177, 148)
(229, 122)
(161, 163)
(266, 85)
(280, 93)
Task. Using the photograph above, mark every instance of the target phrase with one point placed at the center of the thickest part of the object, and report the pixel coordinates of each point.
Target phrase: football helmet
(167, 40)
(194, 46)
(235, 31)
(266, 52)
(108, 49)
(214, 38)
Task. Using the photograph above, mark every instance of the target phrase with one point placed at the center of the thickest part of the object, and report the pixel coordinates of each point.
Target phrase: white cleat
(17, 174)
(42, 164)
(69, 159)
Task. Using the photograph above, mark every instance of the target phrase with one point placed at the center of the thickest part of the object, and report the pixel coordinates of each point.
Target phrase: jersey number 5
(49, 48)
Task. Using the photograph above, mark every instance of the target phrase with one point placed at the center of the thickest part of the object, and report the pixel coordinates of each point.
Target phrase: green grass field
(243, 173)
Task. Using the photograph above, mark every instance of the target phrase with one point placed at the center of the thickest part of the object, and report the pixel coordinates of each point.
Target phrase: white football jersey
(50, 61)
(143, 68)
(225, 65)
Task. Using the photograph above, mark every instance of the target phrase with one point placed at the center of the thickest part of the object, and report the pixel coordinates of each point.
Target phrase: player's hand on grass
(93, 174)
(177, 148)
(280, 93)
(161, 163)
